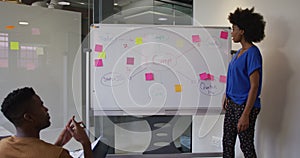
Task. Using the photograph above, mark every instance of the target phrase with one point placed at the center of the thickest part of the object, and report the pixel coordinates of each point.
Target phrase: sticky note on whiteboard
(195, 38)
(222, 79)
(178, 88)
(130, 61)
(98, 48)
(224, 35)
(98, 63)
(210, 77)
(179, 43)
(203, 76)
(139, 40)
(149, 76)
(102, 55)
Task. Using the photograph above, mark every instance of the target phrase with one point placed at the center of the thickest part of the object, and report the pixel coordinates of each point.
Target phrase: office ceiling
(89, 3)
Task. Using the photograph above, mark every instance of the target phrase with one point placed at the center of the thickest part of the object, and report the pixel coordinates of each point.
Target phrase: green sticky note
(14, 46)
(102, 55)
(139, 40)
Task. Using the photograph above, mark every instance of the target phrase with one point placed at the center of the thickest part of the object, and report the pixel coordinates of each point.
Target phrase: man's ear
(242, 32)
(27, 117)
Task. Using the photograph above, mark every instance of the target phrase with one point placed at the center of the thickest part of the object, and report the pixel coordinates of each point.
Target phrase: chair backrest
(101, 148)
(163, 125)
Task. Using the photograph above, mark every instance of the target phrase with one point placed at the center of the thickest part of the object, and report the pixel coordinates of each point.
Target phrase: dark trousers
(232, 115)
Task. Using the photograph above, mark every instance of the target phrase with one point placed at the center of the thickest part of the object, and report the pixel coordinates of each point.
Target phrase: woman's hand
(224, 102)
(243, 123)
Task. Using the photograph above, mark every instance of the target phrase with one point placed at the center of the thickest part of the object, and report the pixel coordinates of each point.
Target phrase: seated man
(24, 108)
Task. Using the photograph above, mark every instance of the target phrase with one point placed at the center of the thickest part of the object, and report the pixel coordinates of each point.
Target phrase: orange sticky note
(9, 27)
(178, 88)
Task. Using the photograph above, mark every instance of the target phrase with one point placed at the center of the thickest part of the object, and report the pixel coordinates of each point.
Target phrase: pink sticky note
(203, 76)
(195, 38)
(98, 48)
(130, 61)
(210, 77)
(222, 79)
(149, 76)
(98, 63)
(224, 34)
(35, 31)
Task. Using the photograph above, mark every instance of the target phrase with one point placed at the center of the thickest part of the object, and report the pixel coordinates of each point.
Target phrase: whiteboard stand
(87, 91)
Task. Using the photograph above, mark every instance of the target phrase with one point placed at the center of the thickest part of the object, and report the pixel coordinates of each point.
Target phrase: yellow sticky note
(102, 55)
(179, 43)
(14, 46)
(178, 88)
(139, 40)
(39, 51)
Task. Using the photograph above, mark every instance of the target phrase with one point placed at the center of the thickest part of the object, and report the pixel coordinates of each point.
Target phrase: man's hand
(78, 132)
(65, 136)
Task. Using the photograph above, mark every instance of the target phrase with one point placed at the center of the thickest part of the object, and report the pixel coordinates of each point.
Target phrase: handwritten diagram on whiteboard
(157, 67)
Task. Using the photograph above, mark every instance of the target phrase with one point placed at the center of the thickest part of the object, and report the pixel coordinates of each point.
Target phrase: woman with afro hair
(244, 81)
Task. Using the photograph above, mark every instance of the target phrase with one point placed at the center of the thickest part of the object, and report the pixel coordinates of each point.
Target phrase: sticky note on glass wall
(139, 40)
(196, 38)
(102, 55)
(222, 79)
(203, 76)
(149, 76)
(224, 35)
(35, 31)
(39, 51)
(14, 46)
(98, 63)
(130, 61)
(178, 88)
(9, 27)
(98, 48)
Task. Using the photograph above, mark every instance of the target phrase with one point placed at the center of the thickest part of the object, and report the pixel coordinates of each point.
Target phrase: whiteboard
(152, 68)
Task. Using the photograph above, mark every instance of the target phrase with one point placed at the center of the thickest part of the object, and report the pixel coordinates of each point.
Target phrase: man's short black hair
(16, 103)
(252, 23)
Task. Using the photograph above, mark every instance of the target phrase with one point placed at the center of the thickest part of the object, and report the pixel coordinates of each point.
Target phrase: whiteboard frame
(165, 110)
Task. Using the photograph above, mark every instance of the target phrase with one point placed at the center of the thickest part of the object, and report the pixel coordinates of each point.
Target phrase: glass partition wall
(128, 134)
(43, 45)
(40, 47)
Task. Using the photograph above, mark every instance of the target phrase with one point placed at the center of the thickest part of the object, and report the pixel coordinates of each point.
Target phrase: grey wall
(278, 126)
